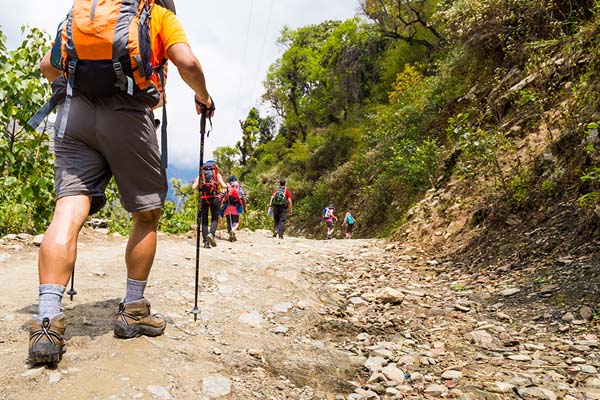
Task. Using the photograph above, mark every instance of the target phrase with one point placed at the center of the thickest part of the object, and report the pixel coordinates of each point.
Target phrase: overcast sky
(235, 42)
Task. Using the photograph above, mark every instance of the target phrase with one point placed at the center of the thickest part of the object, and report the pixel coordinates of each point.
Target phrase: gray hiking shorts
(104, 137)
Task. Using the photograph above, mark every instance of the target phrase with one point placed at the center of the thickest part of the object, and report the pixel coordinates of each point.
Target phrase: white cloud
(235, 42)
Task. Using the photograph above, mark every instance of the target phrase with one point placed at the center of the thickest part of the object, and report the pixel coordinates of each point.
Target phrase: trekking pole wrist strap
(212, 103)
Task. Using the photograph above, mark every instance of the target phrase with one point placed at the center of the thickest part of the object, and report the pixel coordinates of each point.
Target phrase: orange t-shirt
(165, 31)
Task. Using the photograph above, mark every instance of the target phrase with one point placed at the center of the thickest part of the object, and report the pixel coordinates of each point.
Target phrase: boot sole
(46, 353)
(124, 331)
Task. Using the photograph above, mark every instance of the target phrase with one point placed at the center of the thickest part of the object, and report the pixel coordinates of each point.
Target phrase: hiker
(100, 135)
(212, 183)
(280, 202)
(234, 204)
(349, 224)
(329, 217)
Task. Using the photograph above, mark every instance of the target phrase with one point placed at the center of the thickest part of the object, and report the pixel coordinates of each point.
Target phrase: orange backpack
(106, 48)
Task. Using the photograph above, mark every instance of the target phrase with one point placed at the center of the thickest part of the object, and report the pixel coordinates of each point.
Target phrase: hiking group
(107, 69)
(330, 218)
(219, 199)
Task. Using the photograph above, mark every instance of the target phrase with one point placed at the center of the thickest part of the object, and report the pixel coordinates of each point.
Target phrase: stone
(498, 387)
(416, 377)
(54, 378)
(586, 313)
(393, 373)
(8, 318)
(253, 319)
(361, 337)
(452, 375)
(216, 386)
(37, 240)
(568, 317)
(281, 329)
(390, 296)
(590, 393)
(578, 360)
(282, 307)
(366, 394)
(374, 364)
(588, 369)
(593, 382)
(519, 381)
(25, 237)
(159, 391)
(385, 353)
(33, 373)
(509, 292)
(479, 337)
(436, 390)
(536, 393)
(549, 289)
(357, 301)
(519, 357)
(462, 307)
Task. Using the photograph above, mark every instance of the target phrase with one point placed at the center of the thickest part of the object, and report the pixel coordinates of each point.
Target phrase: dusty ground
(250, 290)
(303, 319)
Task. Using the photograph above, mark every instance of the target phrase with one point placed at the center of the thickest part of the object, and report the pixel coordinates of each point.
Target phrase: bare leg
(58, 250)
(141, 246)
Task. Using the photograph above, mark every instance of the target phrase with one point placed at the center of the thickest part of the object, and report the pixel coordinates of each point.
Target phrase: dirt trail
(305, 320)
(256, 305)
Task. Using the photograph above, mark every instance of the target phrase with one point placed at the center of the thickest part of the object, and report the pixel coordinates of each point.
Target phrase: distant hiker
(234, 204)
(329, 217)
(280, 202)
(105, 79)
(211, 182)
(349, 222)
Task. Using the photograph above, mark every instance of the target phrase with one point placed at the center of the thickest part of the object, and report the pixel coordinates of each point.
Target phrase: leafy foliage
(27, 198)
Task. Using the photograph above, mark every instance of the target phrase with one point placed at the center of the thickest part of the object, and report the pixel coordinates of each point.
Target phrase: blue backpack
(350, 220)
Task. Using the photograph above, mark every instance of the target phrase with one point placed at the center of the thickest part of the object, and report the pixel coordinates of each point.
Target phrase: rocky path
(295, 319)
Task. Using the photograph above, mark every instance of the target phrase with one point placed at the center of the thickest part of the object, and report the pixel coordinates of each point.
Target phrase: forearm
(48, 69)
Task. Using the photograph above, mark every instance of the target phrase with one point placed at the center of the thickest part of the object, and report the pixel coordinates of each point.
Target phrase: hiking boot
(46, 339)
(274, 233)
(233, 238)
(206, 245)
(211, 239)
(135, 319)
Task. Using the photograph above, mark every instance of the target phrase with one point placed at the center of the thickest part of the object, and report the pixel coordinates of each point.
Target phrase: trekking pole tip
(195, 311)
(72, 292)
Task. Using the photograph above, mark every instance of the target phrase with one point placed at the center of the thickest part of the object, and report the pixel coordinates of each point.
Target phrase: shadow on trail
(89, 319)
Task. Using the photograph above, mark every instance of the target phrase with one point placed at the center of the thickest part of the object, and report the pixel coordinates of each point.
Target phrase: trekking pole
(204, 112)
(72, 292)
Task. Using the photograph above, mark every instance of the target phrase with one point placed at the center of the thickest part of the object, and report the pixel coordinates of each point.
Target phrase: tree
(324, 73)
(225, 157)
(250, 132)
(406, 20)
(27, 196)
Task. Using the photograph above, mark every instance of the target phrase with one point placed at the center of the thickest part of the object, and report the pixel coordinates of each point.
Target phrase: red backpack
(210, 182)
(233, 195)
